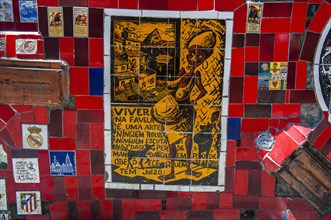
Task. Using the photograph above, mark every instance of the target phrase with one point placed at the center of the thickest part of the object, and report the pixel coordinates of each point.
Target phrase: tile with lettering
(26, 170)
(62, 163)
(3, 195)
(28, 11)
(28, 203)
(3, 159)
(35, 136)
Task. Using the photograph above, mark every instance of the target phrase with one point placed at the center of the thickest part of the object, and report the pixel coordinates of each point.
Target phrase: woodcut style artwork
(166, 96)
(55, 21)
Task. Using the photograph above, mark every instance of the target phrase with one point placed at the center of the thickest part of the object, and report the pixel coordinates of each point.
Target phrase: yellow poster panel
(80, 22)
(166, 106)
(55, 21)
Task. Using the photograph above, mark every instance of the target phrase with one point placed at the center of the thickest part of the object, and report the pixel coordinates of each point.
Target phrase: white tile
(112, 185)
(107, 147)
(106, 75)
(199, 14)
(221, 172)
(146, 187)
(35, 136)
(225, 104)
(26, 170)
(108, 171)
(225, 15)
(228, 38)
(161, 14)
(224, 144)
(172, 188)
(123, 12)
(106, 35)
(207, 188)
(226, 77)
(318, 88)
(106, 105)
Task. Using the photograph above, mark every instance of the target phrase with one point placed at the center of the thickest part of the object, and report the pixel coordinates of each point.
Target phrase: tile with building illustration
(6, 11)
(254, 16)
(35, 136)
(26, 170)
(55, 21)
(28, 11)
(80, 15)
(28, 203)
(62, 163)
(3, 195)
(26, 46)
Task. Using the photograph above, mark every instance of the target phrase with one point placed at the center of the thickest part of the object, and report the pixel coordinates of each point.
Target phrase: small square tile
(35, 136)
(62, 163)
(24, 198)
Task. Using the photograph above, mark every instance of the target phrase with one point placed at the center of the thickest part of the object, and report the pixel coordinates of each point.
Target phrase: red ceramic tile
(22, 108)
(10, 45)
(172, 214)
(254, 182)
(302, 96)
(247, 202)
(320, 19)
(247, 139)
(268, 184)
(269, 214)
(97, 161)
(179, 204)
(17, 138)
(239, 22)
(251, 54)
(225, 214)
(237, 65)
(84, 187)
(309, 46)
(10, 188)
(43, 159)
(281, 47)
(275, 25)
(68, 16)
(226, 200)
(225, 5)
(81, 51)
(298, 22)
(41, 217)
(205, 5)
(82, 3)
(62, 143)
(256, 124)
(304, 214)
(323, 138)
(236, 110)
(128, 4)
(69, 123)
(238, 40)
(83, 136)
(84, 210)
(199, 201)
(128, 209)
(55, 123)
(40, 45)
(6, 137)
(267, 47)
(250, 89)
(71, 187)
(273, 203)
(184, 194)
(14, 124)
(285, 110)
(40, 114)
(67, 50)
(295, 134)
(97, 136)
(103, 4)
(106, 207)
(236, 92)
(241, 182)
(212, 200)
(51, 48)
(98, 190)
(27, 117)
(2, 124)
(231, 153)
(6, 112)
(89, 102)
(150, 4)
(47, 2)
(277, 9)
(148, 205)
(301, 76)
(182, 5)
(229, 179)
(58, 210)
(296, 203)
(59, 190)
(83, 162)
(279, 153)
(246, 153)
(79, 81)
(96, 22)
(90, 116)
(96, 55)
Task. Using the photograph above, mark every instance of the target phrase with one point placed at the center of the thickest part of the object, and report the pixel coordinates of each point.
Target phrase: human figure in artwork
(178, 118)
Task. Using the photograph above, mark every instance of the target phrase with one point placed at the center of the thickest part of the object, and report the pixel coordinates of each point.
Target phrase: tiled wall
(249, 191)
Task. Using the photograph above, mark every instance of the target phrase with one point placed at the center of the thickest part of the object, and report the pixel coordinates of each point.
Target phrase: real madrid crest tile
(35, 136)
(26, 170)
(28, 203)
(62, 163)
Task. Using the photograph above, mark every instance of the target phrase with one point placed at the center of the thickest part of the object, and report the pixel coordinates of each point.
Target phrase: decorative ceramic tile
(28, 203)
(6, 11)
(55, 21)
(26, 46)
(4, 215)
(2, 44)
(254, 16)
(62, 163)
(3, 195)
(273, 75)
(35, 136)
(171, 67)
(26, 170)
(28, 11)
(80, 16)
(3, 159)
